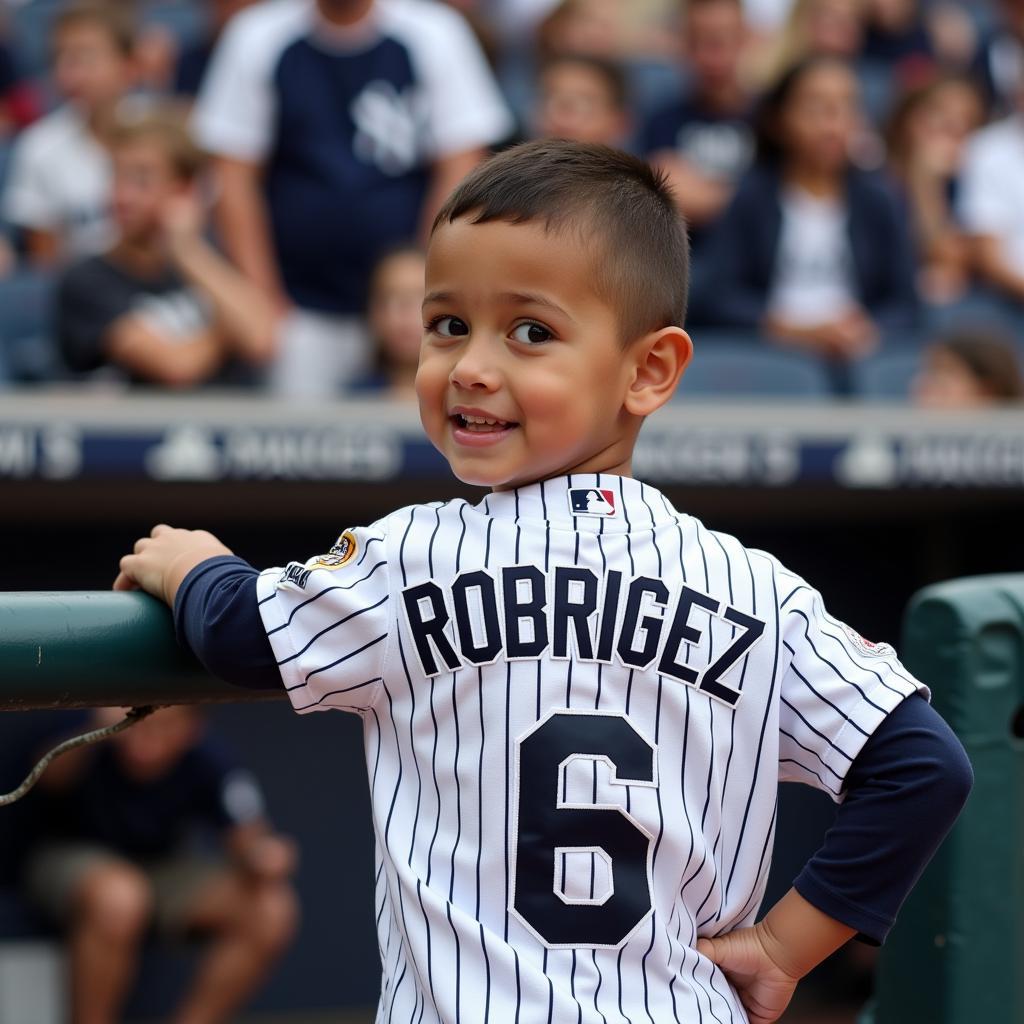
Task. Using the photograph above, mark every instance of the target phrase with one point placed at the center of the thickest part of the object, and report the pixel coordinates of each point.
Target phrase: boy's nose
(474, 368)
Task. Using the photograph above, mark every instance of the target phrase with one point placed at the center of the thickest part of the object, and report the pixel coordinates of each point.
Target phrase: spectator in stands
(812, 252)
(115, 851)
(583, 99)
(395, 319)
(991, 202)
(338, 128)
(162, 306)
(58, 186)
(896, 33)
(614, 29)
(968, 369)
(999, 63)
(927, 135)
(705, 139)
(814, 27)
(194, 58)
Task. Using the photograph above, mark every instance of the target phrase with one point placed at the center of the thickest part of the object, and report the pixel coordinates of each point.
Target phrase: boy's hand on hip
(162, 560)
(764, 987)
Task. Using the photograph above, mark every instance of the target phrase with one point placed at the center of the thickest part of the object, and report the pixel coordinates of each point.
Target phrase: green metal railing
(99, 648)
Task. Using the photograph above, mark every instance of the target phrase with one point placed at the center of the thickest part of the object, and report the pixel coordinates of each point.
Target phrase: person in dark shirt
(162, 306)
(194, 58)
(112, 857)
(705, 140)
(337, 128)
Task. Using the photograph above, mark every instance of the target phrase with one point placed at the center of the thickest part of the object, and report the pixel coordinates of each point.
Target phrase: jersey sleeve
(234, 112)
(328, 621)
(465, 109)
(836, 689)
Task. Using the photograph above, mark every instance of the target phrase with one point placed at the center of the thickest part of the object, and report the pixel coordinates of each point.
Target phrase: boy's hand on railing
(162, 560)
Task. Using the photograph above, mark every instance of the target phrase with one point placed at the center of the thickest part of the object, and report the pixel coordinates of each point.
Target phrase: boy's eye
(531, 333)
(450, 327)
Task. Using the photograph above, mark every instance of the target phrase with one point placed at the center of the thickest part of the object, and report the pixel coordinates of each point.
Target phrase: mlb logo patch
(591, 501)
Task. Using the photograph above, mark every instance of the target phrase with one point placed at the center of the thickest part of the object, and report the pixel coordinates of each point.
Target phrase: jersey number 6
(550, 828)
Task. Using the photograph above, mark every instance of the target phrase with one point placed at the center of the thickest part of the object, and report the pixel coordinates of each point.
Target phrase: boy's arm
(904, 790)
(213, 596)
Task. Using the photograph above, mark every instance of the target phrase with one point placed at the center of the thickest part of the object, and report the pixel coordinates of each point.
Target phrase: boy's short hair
(117, 20)
(610, 73)
(642, 266)
(168, 127)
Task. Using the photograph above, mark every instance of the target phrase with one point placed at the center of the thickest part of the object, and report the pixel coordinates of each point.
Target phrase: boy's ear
(659, 361)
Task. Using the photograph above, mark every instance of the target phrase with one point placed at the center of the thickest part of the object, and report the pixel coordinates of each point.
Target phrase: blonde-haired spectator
(161, 306)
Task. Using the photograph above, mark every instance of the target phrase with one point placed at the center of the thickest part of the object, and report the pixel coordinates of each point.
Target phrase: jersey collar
(584, 502)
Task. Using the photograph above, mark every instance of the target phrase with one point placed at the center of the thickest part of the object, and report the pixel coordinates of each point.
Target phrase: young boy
(162, 306)
(58, 187)
(578, 702)
(112, 857)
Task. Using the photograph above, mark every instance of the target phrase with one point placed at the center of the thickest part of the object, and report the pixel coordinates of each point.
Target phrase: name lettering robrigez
(571, 612)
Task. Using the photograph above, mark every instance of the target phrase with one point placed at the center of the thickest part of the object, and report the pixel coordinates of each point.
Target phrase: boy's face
(88, 67)
(144, 183)
(576, 103)
(517, 335)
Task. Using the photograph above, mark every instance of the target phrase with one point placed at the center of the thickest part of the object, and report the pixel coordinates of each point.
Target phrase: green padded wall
(956, 955)
(98, 648)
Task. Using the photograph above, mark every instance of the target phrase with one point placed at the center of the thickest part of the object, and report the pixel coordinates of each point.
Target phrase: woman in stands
(812, 253)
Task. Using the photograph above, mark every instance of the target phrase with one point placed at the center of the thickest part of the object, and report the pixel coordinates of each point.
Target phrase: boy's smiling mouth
(476, 426)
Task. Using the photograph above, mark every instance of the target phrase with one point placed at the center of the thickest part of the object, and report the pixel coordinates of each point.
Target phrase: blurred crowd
(237, 193)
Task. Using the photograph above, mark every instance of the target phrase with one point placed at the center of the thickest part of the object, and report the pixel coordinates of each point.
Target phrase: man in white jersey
(578, 701)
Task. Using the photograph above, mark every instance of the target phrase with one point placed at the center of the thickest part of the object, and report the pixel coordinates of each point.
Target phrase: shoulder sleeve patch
(866, 646)
(343, 550)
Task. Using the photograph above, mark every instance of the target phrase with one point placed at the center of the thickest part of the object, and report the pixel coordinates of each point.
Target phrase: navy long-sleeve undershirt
(903, 791)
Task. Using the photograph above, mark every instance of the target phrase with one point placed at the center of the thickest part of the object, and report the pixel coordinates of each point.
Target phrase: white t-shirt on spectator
(991, 198)
(460, 101)
(767, 15)
(59, 180)
(813, 279)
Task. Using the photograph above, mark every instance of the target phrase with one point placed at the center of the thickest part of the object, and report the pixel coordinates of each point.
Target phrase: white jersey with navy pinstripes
(577, 705)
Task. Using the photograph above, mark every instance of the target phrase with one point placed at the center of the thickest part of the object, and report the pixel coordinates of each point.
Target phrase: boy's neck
(593, 468)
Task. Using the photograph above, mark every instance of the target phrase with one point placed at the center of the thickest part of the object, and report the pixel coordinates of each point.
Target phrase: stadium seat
(887, 375)
(722, 367)
(27, 348)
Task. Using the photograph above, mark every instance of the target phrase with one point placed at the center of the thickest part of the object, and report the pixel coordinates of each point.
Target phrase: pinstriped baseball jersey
(577, 704)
